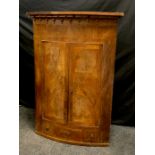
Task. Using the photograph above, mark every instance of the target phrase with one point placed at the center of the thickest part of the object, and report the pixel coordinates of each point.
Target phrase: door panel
(55, 81)
(84, 86)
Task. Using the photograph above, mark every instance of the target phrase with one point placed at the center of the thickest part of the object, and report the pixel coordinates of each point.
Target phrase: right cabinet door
(85, 84)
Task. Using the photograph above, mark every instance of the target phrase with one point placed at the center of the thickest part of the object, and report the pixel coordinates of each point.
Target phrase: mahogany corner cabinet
(74, 71)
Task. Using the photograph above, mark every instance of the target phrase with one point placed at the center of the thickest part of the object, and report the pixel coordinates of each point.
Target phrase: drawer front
(71, 134)
(62, 132)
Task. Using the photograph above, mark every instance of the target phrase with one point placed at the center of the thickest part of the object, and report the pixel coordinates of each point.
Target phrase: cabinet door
(55, 81)
(84, 84)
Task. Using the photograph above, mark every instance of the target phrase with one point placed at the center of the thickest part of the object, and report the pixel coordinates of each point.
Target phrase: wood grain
(74, 71)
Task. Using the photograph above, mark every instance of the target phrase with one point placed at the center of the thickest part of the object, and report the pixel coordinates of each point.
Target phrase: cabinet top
(74, 14)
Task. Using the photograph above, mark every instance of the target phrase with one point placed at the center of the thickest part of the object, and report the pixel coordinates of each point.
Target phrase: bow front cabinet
(74, 71)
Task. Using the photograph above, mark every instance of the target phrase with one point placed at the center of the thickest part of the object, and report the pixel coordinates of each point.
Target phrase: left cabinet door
(55, 74)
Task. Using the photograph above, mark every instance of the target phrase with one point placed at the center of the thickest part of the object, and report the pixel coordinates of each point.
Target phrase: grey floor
(122, 141)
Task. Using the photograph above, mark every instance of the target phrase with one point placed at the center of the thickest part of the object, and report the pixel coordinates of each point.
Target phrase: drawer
(62, 132)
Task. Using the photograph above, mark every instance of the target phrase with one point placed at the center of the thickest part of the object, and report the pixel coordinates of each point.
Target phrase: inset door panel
(84, 86)
(55, 81)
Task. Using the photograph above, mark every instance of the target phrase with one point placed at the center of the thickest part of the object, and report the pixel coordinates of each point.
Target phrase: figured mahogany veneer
(74, 71)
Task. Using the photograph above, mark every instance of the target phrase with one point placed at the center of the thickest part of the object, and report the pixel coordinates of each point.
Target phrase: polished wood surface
(74, 71)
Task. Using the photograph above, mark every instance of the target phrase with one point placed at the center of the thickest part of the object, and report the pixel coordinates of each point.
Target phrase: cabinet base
(71, 142)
